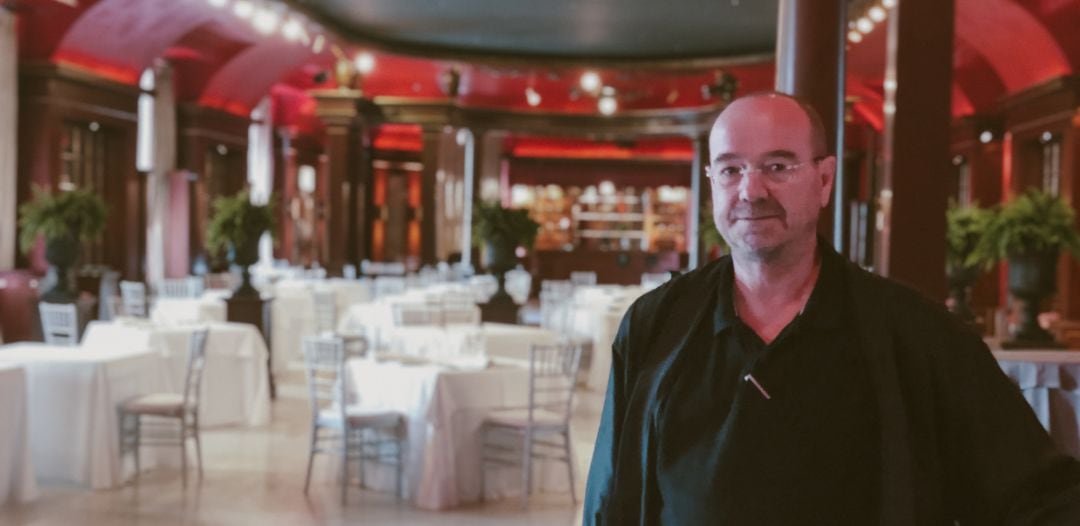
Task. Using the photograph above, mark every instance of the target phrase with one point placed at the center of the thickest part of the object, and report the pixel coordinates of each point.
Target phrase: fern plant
(965, 227)
(492, 222)
(1033, 223)
(75, 214)
(237, 224)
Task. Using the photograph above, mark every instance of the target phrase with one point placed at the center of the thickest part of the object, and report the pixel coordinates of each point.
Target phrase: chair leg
(183, 452)
(198, 446)
(570, 466)
(311, 458)
(526, 469)
(483, 465)
(344, 463)
(400, 465)
(138, 444)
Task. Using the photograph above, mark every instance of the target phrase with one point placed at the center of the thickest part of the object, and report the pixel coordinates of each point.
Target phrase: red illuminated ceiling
(1002, 47)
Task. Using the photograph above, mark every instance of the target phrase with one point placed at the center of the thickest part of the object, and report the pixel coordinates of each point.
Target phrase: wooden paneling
(52, 98)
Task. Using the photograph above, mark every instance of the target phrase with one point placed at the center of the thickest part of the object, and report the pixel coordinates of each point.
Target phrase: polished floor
(256, 476)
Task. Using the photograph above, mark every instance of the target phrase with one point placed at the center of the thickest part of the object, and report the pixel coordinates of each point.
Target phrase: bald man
(783, 385)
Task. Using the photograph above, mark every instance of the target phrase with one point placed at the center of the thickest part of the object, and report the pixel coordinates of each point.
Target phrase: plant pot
(960, 280)
(245, 256)
(500, 307)
(61, 253)
(1032, 278)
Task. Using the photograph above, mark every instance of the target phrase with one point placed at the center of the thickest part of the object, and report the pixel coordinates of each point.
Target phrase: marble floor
(256, 476)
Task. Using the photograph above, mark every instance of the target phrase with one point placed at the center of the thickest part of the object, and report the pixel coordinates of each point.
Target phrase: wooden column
(700, 197)
(810, 65)
(915, 153)
(338, 111)
(429, 157)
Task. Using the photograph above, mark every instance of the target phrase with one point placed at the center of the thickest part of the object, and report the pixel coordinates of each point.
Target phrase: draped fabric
(161, 165)
(8, 138)
(260, 164)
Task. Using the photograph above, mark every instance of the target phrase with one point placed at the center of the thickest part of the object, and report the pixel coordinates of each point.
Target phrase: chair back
(133, 298)
(580, 278)
(460, 314)
(555, 309)
(190, 287)
(389, 286)
(406, 314)
(324, 362)
(195, 365)
(348, 271)
(553, 371)
(484, 287)
(325, 310)
(59, 323)
(221, 280)
(107, 293)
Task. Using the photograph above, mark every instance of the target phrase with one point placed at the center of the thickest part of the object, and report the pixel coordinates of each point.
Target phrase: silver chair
(107, 304)
(190, 287)
(518, 285)
(389, 286)
(460, 314)
(59, 323)
(406, 314)
(325, 310)
(172, 418)
(651, 280)
(582, 278)
(133, 298)
(342, 428)
(542, 430)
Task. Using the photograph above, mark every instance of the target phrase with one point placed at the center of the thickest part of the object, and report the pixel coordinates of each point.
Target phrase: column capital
(337, 107)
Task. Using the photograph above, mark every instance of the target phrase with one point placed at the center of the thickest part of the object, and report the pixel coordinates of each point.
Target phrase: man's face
(768, 183)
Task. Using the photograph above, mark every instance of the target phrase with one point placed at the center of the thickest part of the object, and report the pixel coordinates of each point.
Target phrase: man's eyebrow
(787, 154)
(726, 157)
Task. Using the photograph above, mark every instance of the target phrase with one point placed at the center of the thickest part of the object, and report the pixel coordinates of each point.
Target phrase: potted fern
(63, 220)
(965, 228)
(236, 227)
(500, 231)
(1030, 233)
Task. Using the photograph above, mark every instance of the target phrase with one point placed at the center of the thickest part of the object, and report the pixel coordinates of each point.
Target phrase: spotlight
(854, 36)
(532, 97)
(986, 136)
(877, 13)
(365, 63)
(590, 81)
(865, 25)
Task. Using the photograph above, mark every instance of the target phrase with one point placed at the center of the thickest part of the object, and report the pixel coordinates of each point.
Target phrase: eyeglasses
(730, 173)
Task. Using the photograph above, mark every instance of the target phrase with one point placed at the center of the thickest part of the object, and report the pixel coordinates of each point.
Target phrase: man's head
(770, 173)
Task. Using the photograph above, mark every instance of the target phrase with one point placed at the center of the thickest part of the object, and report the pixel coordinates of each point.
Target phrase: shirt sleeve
(1001, 467)
(602, 469)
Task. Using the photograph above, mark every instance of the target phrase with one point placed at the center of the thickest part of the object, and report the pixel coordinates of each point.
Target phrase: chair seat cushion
(360, 417)
(520, 418)
(160, 404)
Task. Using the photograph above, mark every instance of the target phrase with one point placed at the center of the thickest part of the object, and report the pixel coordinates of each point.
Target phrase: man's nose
(752, 188)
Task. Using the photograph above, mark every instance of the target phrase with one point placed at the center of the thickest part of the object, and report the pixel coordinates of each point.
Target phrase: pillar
(915, 147)
(429, 157)
(338, 111)
(810, 65)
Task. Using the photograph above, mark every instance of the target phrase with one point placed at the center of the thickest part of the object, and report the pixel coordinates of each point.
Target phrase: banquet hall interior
(363, 262)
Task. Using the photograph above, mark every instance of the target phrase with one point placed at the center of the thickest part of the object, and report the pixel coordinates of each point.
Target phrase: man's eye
(730, 171)
(777, 168)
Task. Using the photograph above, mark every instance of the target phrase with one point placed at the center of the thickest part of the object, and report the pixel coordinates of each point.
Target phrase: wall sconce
(350, 73)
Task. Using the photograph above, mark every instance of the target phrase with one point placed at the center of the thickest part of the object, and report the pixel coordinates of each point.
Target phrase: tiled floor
(256, 476)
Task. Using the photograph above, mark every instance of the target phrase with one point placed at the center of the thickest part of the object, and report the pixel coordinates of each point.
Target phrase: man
(783, 385)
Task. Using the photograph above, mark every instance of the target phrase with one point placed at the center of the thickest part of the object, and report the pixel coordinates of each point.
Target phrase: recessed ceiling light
(243, 9)
(854, 36)
(365, 63)
(590, 81)
(877, 13)
(865, 25)
(532, 97)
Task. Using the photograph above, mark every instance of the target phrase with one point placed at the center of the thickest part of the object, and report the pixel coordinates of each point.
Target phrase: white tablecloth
(73, 397)
(498, 341)
(597, 311)
(17, 483)
(1050, 381)
(234, 387)
(444, 409)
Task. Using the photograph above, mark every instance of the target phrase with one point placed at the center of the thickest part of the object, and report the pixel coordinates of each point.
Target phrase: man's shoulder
(651, 310)
(900, 305)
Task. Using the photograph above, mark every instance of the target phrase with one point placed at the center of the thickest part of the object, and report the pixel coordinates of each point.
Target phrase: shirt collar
(824, 308)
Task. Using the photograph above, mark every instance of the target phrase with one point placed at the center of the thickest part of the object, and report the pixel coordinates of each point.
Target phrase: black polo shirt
(807, 454)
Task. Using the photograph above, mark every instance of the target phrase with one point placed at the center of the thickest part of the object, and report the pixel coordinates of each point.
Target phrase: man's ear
(827, 174)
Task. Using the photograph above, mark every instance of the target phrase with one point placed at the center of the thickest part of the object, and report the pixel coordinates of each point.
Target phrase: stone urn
(1032, 279)
(501, 259)
(960, 280)
(61, 253)
(245, 255)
